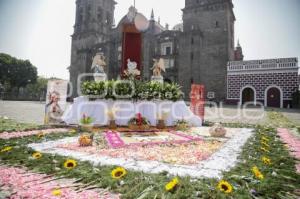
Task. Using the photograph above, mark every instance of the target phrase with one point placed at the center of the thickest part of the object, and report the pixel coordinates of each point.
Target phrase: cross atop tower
(152, 14)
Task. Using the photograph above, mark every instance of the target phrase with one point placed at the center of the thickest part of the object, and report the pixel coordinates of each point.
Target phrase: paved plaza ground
(33, 112)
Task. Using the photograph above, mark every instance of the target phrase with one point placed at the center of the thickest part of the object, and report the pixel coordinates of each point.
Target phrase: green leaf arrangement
(136, 90)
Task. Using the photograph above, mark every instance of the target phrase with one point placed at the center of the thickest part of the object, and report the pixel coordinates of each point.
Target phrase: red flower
(139, 119)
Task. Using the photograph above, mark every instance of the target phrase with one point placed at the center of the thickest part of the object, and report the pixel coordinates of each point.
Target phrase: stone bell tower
(93, 25)
(206, 45)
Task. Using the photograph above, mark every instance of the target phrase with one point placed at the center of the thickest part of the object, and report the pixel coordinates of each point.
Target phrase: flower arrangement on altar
(86, 122)
(138, 123)
(161, 118)
(182, 125)
(111, 113)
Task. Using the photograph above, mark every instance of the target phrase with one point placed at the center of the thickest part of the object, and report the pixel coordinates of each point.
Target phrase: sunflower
(70, 164)
(266, 161)
(264, 149)
(37, 155)
(56, 192)
(172, 184)
(118, 173)
(225, 186)
(257, 173)
(6, 149)
(264, 138)
(265, 144)
(73, 131)
(40, 134)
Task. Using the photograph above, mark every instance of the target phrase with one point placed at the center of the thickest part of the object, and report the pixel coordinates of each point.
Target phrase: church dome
(178, 27)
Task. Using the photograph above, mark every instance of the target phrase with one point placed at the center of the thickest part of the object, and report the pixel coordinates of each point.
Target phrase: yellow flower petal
(37, 155)
(70, 164)
(266, 161)
(56, 192)
(6, 149)
(225, 186)
(118, 173)
(172, 184)
(257, 173)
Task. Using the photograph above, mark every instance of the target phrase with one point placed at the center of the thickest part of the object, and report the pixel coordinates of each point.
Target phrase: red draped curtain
(131, 46)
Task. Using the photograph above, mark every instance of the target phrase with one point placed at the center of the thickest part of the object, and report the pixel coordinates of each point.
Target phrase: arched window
(217, 24)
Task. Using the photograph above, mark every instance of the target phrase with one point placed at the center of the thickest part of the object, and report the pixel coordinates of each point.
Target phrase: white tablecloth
(128, 109)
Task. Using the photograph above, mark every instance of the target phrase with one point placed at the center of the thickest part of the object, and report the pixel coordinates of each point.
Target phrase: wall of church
(207, 43)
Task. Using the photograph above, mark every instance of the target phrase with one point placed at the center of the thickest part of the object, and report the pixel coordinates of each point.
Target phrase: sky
(40, 30)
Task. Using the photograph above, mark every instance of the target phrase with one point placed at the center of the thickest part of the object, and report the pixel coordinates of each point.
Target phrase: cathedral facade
(195, 51)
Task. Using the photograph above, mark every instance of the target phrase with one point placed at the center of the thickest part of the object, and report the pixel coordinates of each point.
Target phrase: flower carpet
(293, 144)
(177, 153)
(246, 163)
(20, 183)
(127, 139)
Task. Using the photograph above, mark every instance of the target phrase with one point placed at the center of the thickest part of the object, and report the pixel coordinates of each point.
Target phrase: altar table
(127, 109)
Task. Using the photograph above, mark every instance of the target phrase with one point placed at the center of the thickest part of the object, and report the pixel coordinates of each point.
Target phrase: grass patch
(277, 119)
(10, 125)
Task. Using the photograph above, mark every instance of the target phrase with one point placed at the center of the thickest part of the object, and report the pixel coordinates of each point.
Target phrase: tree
(39, 88)
(16, 72)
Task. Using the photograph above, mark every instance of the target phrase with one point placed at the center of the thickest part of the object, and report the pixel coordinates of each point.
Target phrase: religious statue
(132, 69)
(157, 68)
(53, 108)
(98, 66)
(131, 13)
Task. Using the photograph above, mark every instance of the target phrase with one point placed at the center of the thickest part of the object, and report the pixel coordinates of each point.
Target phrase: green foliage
(40, 87)
(15, 72)
(123, 89)
(94, 88)
(136, 90)
(296, 99)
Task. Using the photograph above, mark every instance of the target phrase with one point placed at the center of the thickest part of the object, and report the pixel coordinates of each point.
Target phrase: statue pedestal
(159, 79)
(99, 77)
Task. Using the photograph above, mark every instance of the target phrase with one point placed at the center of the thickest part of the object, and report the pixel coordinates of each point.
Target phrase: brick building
(271, 81)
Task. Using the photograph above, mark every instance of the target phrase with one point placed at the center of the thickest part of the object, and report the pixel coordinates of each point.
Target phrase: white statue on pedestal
(158, 67)
(132, 69)
(98, 66)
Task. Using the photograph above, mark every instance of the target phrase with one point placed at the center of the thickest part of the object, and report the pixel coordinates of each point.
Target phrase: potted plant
(111, 113)
(86, 123)
(139, 123)
(182, 125)
(161, 118)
